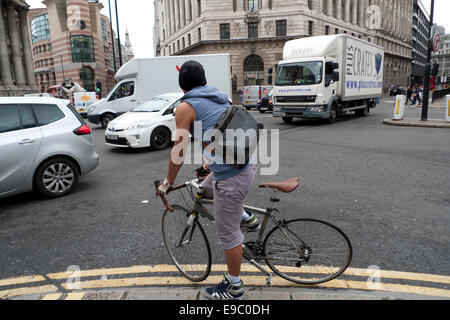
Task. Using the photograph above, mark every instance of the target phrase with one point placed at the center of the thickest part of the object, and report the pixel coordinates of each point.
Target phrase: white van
(139, 80)
(253, 94)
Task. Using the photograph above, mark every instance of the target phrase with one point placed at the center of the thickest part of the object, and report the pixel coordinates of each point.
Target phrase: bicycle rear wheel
(188, 246)
(307, 251)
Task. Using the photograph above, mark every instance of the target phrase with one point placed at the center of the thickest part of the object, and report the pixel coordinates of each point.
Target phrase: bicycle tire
(316, 235)
(186, 258)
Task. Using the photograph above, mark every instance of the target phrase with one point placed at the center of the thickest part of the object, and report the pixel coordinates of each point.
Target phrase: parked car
(266, 103)
(45, 146)
(151, 124)
(395, 91)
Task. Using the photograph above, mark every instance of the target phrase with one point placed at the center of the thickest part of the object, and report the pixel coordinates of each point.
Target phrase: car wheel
(287, 120)
(160, 138)
(248, 108)
(105, 119)
(56, 177)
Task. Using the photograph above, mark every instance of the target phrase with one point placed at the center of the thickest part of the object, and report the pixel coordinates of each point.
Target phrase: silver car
(44, 146)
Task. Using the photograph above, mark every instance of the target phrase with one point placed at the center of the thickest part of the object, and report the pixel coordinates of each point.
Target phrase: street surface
(386, 187)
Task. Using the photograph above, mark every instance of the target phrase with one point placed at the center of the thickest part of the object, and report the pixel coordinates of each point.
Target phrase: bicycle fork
(190, 225)
(248, 252)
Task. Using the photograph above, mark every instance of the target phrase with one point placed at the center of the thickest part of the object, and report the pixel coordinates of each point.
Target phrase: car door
(20, 140)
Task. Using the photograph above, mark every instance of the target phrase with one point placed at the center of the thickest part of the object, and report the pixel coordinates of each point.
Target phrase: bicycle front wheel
(307, 251)
(187, 245)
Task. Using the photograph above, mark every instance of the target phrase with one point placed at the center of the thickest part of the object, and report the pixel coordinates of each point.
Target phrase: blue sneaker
(225, 290)
(250, 224)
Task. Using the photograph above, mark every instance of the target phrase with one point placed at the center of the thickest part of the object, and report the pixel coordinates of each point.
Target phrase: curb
(432, 123)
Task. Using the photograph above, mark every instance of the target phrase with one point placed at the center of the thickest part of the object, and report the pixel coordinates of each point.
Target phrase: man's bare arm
(184, 117)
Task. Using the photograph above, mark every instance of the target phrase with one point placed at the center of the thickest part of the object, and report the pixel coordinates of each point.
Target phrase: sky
(138, 17)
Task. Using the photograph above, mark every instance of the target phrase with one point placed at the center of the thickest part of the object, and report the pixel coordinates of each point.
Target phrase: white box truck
(325, 76)
(254, 94)
(83, 101)
(141, 79)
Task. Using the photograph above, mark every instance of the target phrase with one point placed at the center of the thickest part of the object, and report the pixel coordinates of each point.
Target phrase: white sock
(245, 215)
(233, 279)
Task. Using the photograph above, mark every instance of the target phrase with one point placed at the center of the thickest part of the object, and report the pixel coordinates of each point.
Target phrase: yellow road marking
(75, 296)
(52, 296)
(26, 291)
(21, 280)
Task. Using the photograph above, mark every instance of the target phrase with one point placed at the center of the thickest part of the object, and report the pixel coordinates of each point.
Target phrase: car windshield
(154, 105)
(299, 73)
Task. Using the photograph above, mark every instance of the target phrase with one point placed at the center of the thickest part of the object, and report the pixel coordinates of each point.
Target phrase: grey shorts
(229, 196)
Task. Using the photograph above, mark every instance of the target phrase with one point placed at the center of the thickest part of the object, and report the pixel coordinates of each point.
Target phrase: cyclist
(229, 185)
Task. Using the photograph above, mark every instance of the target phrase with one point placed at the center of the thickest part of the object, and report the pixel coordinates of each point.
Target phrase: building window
(327, 30)
(253, 30)
(82, 48)
(199, 34)
(104, 31)
(224, 31)
(281, 28)
(199, 7)
(87, 76)
(310, 4)
(253, 5)
(184, 43)
(189, 39)
(310, 27)
(40, 28)
(253, 70)
(234, 5)
(178, 45)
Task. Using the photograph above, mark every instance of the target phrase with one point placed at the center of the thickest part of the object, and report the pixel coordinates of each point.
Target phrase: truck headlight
(276, 108)
(316, 109)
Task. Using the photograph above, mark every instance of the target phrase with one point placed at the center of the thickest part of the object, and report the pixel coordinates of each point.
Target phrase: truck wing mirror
(335, 65)
(335, 76)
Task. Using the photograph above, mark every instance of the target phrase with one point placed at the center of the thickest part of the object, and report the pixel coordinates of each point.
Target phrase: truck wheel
(56, 177)
(287, 120)
(105, 119)
(262, 111)
(160, 139)
(248, 108)
(362, 112)
(333, 114)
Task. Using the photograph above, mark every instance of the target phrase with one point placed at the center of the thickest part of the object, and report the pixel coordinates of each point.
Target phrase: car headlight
(137, 126)
(91, 109)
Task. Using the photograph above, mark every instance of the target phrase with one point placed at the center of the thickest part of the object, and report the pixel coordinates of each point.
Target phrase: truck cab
(305, 88)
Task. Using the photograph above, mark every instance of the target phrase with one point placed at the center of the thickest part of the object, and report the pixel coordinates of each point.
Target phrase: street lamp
(426, 89)
(118, 35)
(112, 37)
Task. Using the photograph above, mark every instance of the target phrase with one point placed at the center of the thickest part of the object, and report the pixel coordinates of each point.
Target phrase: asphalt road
(387, 187)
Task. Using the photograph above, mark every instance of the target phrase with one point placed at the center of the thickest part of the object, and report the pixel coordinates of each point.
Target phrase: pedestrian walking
(417, 95)
(409, 93)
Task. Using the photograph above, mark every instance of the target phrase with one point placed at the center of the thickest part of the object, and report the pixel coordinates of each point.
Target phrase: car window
(172, 107)
(75, 112)
(9, 118)
(47, 113)
(27, 116)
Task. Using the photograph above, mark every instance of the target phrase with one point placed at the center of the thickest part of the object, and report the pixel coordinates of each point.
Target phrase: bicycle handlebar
(163, 198)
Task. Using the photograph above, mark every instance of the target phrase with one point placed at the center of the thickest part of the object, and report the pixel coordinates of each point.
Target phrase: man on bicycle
(229, 185)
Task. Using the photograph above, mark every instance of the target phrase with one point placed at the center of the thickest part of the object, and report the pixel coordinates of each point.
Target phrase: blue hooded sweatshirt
(209, 104)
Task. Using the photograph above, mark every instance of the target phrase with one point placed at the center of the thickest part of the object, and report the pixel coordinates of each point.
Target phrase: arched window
(87, 76)
(253, 70)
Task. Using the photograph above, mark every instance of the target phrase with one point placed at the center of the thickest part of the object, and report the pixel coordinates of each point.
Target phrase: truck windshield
(299, 73)
(153, 105)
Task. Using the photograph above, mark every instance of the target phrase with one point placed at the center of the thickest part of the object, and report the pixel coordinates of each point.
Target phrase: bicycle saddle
(285, 186)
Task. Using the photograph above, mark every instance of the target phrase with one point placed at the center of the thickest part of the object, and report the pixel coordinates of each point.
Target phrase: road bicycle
(304, 251)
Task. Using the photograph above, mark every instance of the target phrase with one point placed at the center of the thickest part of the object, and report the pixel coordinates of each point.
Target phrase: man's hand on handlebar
(164, 188)
(203, 171)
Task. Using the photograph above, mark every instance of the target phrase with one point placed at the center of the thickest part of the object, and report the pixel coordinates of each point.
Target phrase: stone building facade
(420, 42)
(255, 31)
(71, 41)
(16, 65)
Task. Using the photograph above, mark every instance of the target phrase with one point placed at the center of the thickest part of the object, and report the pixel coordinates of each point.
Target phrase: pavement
(417, 122)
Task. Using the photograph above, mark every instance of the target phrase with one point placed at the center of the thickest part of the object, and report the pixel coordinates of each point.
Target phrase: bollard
(447, 111)
(399, 108)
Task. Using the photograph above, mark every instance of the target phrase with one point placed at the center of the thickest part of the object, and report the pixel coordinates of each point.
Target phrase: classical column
(177, 15)
(183, 13)
(186, 11)
(339, 9)
(167, 18)
(172, 17)
(14, 36)
(355, 11)
(362, 8)
(5, 65)
(347, 11)
(29, 71)
(330, 7)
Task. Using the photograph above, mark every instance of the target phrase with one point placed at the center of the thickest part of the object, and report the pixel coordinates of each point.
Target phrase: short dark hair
(192, 75)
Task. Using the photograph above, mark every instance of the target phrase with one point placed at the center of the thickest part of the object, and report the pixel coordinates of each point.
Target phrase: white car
(152, 124)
